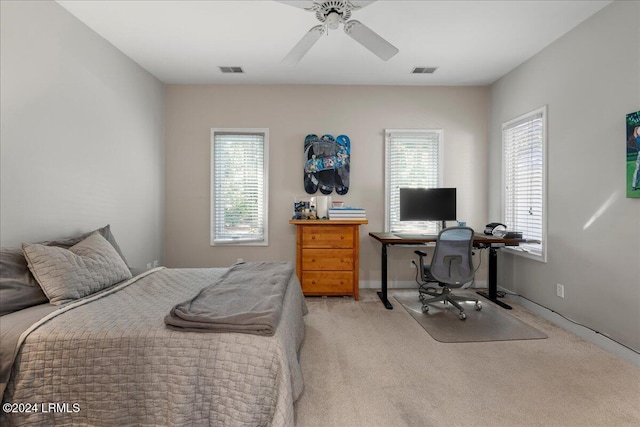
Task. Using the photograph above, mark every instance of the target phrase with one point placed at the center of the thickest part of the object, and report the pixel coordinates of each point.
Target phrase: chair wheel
(421, 297)
(478, 306)
(425, 308)
(462, 316)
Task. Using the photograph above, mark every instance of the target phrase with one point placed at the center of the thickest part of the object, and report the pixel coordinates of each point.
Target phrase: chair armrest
(420, 253)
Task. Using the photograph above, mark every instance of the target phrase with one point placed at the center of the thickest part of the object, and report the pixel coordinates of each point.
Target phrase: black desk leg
(383, 293)
(493, 280)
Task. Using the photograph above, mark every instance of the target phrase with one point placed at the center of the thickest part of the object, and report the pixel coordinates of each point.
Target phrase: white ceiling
(471, 42)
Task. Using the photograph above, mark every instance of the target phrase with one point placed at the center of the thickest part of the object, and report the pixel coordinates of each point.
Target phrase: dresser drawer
(327, 282)
(327, 236)
(327, 259)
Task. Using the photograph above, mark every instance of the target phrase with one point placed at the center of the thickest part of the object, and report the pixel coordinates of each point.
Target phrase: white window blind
(239, 186)
(525, 179)
(412, 160)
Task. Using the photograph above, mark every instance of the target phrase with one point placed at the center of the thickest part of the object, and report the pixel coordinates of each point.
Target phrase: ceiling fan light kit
(332, 13)
(341, 8)
(333, 20)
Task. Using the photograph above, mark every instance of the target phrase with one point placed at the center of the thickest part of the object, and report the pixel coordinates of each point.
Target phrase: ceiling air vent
(424, 70)
(232, 70)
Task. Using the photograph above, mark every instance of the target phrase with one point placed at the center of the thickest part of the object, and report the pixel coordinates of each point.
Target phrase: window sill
(239, 243)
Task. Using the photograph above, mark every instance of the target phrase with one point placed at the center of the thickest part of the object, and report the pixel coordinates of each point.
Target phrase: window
(239, 159)
(413, 158)
(524, 180)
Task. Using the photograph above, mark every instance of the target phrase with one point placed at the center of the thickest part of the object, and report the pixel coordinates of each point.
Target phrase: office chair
(451, 267)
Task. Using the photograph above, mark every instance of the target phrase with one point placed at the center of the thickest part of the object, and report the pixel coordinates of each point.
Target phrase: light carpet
(364, 365)
(492, 323)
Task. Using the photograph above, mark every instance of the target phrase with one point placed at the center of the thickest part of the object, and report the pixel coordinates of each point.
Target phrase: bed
(111, 358)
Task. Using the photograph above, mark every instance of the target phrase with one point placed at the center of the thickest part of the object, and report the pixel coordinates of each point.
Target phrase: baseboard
(396, 284)
(583, 332)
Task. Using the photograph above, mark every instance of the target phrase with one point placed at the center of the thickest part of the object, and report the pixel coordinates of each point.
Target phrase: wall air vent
(424, 70)
(232, 70)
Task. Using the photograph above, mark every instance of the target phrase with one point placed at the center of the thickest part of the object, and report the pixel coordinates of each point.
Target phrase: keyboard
(416, 236)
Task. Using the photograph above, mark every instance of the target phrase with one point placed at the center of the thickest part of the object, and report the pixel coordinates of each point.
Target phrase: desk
(480, 241)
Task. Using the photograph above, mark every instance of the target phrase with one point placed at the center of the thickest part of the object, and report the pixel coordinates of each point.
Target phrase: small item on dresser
(347, 213)
(304, 207)
(322, 206)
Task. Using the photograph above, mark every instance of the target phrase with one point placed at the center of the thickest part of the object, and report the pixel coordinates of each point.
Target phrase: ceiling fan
(332, 13)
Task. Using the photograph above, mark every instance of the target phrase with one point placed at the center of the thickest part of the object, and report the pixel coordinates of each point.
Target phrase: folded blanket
(247, 298)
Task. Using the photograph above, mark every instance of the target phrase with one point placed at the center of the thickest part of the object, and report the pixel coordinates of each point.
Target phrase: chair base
(446, 297)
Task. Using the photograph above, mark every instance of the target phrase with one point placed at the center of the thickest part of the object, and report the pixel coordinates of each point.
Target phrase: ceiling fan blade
(302, 4)
(308, 4)
(370, 39)
(359, 4)
(303, 46)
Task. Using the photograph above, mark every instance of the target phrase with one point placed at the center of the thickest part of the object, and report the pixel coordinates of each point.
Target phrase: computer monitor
(428, 204)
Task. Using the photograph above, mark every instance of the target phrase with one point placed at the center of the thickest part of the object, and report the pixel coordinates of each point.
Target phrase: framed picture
(633, 155)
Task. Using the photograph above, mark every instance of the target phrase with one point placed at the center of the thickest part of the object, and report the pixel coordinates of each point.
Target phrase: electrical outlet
(155, 263)
(148, 265)
(560, 290)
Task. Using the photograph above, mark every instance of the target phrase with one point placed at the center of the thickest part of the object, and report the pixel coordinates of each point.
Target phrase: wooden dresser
(327, 257)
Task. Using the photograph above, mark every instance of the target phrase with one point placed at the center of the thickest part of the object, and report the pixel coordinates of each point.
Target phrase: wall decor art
(326, 163)
(633, 155)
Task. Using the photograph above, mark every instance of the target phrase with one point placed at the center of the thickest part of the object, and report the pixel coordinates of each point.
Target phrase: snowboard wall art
(326, 164)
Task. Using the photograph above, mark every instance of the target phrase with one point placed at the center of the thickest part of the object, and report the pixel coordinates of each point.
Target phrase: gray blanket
(247, 299)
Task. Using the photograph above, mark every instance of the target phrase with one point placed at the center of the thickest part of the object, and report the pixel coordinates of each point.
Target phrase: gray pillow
(69, 274)
(70, 241)
(18, 288)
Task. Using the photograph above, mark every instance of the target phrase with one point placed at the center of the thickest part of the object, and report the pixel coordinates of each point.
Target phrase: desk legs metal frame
(383, 293)
(492, 295)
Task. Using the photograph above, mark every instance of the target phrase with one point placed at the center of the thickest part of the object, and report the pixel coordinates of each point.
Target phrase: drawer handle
(341, 237)
(313, 260)
(313, 282)
(313, 237)
(342, 282)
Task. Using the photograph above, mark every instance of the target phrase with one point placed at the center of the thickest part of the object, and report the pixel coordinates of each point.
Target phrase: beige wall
(589, 79)
(82, 135)
(291, 112)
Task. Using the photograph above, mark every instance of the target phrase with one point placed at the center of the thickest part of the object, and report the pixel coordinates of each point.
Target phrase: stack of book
(347, 213)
